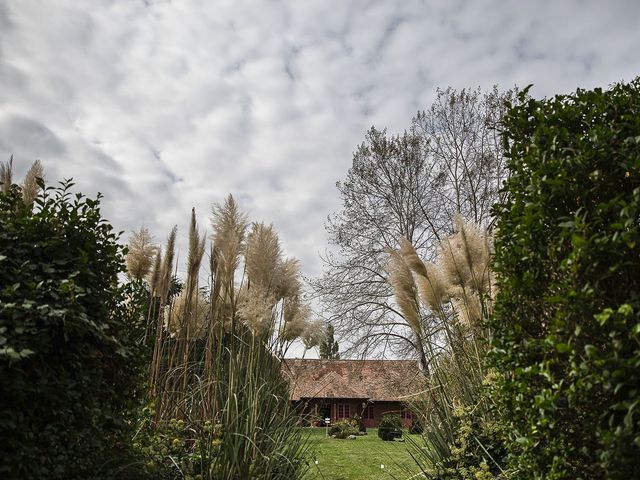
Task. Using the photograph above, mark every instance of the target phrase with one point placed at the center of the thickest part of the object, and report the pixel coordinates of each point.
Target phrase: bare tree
(462, 129)
(449, 161)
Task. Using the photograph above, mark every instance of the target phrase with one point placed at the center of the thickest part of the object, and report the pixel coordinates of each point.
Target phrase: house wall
(310, 410)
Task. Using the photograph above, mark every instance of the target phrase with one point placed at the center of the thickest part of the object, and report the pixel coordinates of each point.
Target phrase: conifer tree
(329, 347)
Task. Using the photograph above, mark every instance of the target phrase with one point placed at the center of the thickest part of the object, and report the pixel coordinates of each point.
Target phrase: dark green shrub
(344, 428)
(390, 427)
(69, 362)
(416, 427)
(566, 325)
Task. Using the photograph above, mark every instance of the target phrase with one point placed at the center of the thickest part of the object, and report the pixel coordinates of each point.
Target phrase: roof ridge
(349, 360)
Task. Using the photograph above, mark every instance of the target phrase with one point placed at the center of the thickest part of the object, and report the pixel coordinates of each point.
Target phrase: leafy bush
(344, 428)
(390, 427)
(474, 442)
(176, 449)
(566, 329)
(478, 451)
(69, 363)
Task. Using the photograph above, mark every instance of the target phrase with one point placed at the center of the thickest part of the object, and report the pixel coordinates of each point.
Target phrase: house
(339, 389)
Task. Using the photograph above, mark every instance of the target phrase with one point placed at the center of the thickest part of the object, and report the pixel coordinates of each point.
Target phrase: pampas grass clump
(461, 275)
(186, 313)
(456, 291)
(217, 349)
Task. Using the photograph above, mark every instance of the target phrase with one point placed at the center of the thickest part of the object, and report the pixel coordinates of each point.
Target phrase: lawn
(361, 458)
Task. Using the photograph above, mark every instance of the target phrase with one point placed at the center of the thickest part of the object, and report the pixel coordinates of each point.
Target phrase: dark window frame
(368, 413)
(343, 410)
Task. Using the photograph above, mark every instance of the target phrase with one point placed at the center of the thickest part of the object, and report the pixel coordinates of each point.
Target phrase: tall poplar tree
(329, 347)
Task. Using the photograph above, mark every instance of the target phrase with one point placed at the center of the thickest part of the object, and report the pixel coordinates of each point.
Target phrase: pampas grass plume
(167, 264)
(404, 289)
(256, 310)
(288, 279)
(433, 286)
(184, 311)
(30, 187)
(262, 255)
(140, 255)
(476, 250)
(6, 174)
(469, 308)
(431, 282)
(314, 333)
(156, 273)
(196, 252)
(411, 257)
(229, 227)
(465, 256)
(296, 315)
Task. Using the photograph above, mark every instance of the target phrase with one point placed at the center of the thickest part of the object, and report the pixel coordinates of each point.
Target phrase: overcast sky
(167, 105)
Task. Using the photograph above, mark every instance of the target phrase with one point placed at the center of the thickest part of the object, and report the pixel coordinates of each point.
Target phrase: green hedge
(69, 364)
(567, 320)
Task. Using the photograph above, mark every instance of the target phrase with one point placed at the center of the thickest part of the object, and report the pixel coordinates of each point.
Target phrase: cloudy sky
(167, 105)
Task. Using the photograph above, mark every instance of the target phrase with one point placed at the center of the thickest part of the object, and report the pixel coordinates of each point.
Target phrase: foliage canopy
(566, 328)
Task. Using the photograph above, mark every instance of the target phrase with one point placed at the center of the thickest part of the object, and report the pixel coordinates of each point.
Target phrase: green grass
(360, 458)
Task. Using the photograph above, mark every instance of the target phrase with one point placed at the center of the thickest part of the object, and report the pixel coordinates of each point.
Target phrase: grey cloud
(11, 78)
(167, 105)
(28, 139)
(5, 19)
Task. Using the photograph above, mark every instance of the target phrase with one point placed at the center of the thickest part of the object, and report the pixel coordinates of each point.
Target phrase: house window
(343, 410)
(406, 414)
(368, 413)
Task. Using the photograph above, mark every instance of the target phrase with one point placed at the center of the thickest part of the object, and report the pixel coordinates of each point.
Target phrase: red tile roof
(376, 380)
